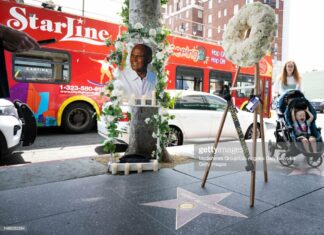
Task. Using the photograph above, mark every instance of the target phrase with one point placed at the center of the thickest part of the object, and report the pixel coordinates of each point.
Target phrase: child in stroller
(295, 130)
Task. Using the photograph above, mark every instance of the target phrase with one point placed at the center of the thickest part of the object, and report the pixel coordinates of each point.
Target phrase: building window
(277, 18)
(236, 8)
(225, 12)
(210, 18)
(188, 2)
(219, 1)
(187, 14)
(218, 29)
(210, 33)
(224, 27)
(200, 27)
(249, 1)
(210, 4)
(187, 26)
(200, 14)
(170, 9)
(277, 4)
(219, 14)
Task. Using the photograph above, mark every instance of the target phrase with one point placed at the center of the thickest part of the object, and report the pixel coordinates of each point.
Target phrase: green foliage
(113, 112)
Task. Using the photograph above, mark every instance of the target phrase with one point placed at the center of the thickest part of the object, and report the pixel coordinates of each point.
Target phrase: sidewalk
(77, 197)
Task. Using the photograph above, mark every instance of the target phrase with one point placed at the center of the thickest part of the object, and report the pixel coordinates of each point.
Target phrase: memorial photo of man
(139, 80)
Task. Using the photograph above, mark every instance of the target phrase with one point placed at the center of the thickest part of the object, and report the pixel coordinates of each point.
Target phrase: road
(53, 144)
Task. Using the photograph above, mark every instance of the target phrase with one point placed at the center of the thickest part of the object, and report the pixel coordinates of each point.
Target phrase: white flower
(119, 45)
(109, 118)
(152, 33)
(138, 26)
(163, 111)
(258, 17)
(154, 135)
(146, 40)
(147, 120)
(159, 55)
(116, 73)
(160, 46)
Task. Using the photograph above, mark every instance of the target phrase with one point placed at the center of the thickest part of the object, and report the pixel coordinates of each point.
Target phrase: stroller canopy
(283, 99)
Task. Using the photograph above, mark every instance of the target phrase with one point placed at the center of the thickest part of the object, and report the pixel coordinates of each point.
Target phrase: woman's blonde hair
(295, 74)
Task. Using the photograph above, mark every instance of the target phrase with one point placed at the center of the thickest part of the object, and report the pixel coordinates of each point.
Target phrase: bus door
(266, 95)
(189, 78)
(242, 95)
(220, 82)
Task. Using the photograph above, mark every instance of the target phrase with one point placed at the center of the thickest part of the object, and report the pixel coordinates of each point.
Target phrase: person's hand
(17, 41)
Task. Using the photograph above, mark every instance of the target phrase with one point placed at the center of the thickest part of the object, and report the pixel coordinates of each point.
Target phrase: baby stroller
(285, 138)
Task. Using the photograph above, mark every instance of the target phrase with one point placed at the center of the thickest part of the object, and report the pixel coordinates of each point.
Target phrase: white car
(17, 124)
(197, 119)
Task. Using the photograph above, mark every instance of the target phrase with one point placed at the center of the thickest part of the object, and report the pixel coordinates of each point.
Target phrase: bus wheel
(78, 118)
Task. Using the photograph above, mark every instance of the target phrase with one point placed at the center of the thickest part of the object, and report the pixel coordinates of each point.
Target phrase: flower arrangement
(156, 38)
(249, 34)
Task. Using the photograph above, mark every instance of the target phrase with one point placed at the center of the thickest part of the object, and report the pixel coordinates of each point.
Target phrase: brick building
(207, 19)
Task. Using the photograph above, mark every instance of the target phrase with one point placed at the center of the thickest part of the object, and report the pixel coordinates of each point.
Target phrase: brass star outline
(189, 206)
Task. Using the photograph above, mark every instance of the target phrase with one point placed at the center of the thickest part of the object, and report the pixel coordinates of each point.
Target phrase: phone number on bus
(74, 89)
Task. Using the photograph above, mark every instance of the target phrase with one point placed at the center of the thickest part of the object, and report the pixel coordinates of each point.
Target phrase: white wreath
(261, 21)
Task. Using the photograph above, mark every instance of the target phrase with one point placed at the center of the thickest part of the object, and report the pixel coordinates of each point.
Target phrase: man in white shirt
(138, 80)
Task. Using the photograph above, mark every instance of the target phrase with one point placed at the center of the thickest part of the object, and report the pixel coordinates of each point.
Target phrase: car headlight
(8, 111)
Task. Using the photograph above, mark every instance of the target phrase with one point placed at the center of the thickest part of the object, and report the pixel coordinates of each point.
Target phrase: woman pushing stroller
(302, 128)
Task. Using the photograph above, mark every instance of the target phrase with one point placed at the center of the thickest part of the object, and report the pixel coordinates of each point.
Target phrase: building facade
(207, 19)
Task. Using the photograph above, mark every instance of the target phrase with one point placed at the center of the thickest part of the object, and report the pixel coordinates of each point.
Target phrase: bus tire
(78, 117)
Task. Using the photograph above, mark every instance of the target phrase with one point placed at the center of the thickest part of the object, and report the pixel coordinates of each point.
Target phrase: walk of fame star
(189, 205)
(307, 171)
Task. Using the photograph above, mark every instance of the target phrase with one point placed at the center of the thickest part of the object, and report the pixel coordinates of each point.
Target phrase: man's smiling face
(138, 59)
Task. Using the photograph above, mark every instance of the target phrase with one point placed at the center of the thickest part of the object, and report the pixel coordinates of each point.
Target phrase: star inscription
(80, 21)
(189, 206)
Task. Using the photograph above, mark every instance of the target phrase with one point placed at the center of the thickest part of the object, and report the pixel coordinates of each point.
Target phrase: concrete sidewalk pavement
(77, 197)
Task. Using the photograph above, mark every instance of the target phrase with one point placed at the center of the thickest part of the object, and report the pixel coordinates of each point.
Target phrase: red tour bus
(62, 81)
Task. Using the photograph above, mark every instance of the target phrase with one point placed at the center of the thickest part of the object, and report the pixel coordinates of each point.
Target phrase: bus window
(244, 80)
(42, 66)
(189, 78)
(219, 82)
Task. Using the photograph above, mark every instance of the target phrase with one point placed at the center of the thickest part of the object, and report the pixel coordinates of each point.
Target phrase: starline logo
(72, 28)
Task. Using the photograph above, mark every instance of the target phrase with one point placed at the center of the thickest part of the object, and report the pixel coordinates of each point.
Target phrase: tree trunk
(146, 12)
(140, 133)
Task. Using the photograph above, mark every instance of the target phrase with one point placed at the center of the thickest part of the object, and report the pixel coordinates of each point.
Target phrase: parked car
(197, 119)
(17, 125)
(322, 107)
(318, 104)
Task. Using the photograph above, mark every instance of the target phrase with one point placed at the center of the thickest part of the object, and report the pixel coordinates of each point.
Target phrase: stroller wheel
(314, 160)
(271, 148)
(285, 160)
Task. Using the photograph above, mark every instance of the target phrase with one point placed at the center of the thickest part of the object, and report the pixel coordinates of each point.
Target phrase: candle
(126, 169)
(139, 167)
(114, 168)
(153, 98)
(132, 100)
(143, 100)
(155, 165)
